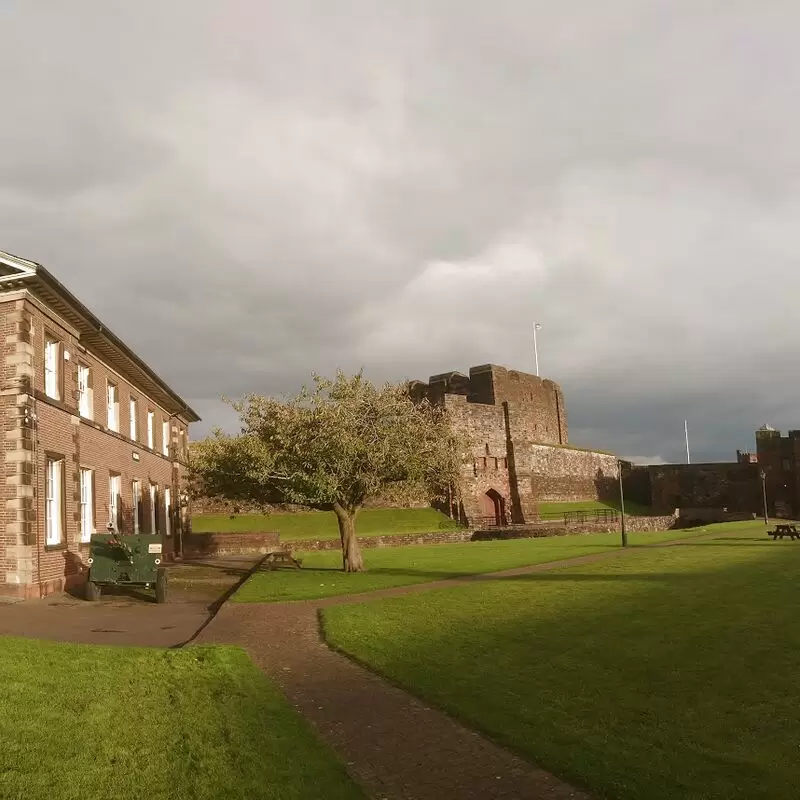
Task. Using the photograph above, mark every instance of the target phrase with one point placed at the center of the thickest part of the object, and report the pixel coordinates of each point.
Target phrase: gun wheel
(92, 591)
(161, 586)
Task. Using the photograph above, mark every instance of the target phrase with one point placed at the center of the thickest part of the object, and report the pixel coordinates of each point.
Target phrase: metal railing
(592, 516)
(596, 515)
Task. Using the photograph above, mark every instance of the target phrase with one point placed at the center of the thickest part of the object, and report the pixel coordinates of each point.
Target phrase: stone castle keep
(521, 457)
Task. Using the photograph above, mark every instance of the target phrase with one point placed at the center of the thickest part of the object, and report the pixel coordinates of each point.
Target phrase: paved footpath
(394, 745)
(131, 617)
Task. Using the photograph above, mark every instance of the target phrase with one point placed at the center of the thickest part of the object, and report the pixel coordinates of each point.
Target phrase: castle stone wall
(518, 427)
(563, 474)
(733, 486)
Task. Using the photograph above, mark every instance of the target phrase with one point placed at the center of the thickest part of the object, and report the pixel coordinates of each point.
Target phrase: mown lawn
(321, 575)
(86, 723)
(322, 524)
(634, 509)
(670, 673)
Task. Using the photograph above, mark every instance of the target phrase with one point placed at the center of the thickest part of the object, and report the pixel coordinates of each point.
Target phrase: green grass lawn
(634, 509)
(85, 723)
(322, 524)
(669, 673)
(321, 575)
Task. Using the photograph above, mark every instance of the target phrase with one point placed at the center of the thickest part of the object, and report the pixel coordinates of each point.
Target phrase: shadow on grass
(682, 663)
(732, 543)
(549, 574)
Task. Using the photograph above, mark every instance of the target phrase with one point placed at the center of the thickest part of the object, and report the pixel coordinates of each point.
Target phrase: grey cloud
(275, 188)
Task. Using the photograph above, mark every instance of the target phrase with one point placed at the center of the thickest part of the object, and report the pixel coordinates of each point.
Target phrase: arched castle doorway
(493, 507)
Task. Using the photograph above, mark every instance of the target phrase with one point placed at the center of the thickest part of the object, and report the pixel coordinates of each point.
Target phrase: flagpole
(536, 327)
(686, 433)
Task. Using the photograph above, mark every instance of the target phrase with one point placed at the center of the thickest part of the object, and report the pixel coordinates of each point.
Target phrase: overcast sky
(247, 191)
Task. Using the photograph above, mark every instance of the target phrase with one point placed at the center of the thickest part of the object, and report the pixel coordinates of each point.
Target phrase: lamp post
(764, 495)
(536, 327)
(622, 505)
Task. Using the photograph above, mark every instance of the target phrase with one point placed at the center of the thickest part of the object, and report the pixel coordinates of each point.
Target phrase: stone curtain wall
(564, 474)
(636, 482)
(734, 486)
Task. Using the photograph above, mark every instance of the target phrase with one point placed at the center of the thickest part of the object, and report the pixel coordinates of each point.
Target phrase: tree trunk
(351, 552)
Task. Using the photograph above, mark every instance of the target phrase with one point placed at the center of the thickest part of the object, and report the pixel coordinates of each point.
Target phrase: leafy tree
(332, 447)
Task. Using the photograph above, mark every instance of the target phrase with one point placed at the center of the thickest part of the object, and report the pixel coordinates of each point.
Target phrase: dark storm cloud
(275, 188)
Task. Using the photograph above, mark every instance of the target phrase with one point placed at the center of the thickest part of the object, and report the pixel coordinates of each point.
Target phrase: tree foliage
(333, 446)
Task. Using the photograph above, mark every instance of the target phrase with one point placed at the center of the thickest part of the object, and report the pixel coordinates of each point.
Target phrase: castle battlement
(537, 404)
(517, 423)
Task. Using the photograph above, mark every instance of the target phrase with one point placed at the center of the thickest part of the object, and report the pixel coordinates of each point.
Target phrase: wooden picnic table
(784, 529)
(277, 557)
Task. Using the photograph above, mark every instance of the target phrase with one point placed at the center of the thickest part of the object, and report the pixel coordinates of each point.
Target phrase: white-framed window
(112, 406)
(87, 504)
(151, 432)
(85, 399)
(153, 508)
(52, 373)
(114, 494)
(134, 412)
(137, 504)
(165, 438)
(182, 442)
(167, 511)
(54, 501)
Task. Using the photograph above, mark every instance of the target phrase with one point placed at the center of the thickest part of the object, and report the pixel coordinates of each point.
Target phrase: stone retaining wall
(632, 525)
(229, 544)
(209, 544)
(649, 524)
(395, 540)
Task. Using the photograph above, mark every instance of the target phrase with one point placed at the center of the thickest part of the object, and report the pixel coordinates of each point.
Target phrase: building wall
(563, 474)
(488, 468)
(518, 427)
(735, 486)
(779, 457)
(637, 485)
(27, 566)
(538, 403)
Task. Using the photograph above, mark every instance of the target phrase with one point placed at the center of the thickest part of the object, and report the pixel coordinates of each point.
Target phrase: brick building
(521, 457)
(91, 435)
